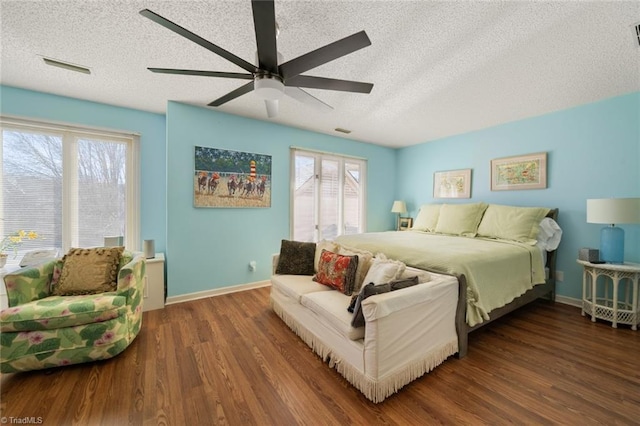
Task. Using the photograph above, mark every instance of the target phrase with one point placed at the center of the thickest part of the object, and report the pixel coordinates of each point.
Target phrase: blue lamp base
(612, 244)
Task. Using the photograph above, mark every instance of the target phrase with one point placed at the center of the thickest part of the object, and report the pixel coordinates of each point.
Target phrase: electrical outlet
(559, 276)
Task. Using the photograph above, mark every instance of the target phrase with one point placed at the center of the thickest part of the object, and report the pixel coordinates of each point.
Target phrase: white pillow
(549, 234)
(383, 270)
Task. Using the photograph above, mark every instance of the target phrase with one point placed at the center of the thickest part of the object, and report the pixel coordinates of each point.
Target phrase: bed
(502, 256)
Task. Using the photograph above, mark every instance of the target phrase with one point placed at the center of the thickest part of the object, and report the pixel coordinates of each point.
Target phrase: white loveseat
(407, 332)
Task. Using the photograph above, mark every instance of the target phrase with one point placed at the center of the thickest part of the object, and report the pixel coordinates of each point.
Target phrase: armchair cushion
(89, 271)
(62, 311)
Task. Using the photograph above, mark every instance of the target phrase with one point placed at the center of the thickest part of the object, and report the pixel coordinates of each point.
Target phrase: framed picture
(452, 184)
(519, 172)
(224, 178)
(406, 223)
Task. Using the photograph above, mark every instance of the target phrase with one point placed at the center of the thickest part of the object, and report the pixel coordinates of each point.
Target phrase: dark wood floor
(230, 360)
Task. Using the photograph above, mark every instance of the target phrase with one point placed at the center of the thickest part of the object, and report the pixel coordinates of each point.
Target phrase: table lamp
(398, 207)
(613, 211)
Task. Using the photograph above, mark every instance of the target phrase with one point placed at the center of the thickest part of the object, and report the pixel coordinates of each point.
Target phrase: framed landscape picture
(452, 184)
(224, 178)
(519, 172)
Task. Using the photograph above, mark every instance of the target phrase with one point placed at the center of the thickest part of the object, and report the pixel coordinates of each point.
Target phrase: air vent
(636, 33)
(341, 130)
(66, 65)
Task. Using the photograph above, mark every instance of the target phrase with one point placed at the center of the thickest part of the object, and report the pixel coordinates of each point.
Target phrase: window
(328, 193)
(72, 186)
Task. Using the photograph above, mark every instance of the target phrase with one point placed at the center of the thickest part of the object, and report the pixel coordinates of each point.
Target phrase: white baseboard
(216, 292)
(569, 301)
(258, 284)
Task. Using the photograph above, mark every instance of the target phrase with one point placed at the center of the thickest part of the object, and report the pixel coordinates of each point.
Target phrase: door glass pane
(329, 200)
(101, 191)
(304, 199)
(352, 194)
(32, 188)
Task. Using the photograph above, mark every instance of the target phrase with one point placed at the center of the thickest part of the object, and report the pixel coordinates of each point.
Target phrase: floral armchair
(40, 329)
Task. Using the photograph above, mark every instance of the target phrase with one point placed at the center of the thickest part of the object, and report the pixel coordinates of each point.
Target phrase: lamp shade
(399, 207)
(613, 210)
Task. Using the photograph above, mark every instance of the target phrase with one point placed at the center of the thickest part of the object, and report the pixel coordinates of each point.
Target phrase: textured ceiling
(438, 68)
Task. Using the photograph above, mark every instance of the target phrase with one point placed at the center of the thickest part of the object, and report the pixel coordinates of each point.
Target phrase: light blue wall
(593, 152)
(211, 248)
(151, 127)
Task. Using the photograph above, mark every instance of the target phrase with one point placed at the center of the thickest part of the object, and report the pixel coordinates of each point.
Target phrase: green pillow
(460, 219)
(427, 218)
(296, 258)
(512, 223)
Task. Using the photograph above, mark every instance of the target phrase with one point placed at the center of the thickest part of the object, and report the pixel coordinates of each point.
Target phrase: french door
(327, 195)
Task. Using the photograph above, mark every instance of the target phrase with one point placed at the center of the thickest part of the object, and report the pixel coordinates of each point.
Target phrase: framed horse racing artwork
(235, 179)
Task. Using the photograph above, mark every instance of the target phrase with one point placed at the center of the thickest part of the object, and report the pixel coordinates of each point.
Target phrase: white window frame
(341, 159)
(70, 135)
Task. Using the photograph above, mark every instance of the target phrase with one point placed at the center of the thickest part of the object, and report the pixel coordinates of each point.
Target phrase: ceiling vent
(636, 33)
(66, 65)
(341, 130)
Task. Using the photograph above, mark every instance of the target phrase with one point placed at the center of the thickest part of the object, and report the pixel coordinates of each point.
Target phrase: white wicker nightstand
(601, 298)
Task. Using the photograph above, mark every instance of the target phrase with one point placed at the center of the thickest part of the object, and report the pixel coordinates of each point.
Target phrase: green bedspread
(496, 271)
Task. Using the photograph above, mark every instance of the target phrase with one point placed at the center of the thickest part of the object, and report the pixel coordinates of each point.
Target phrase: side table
(623, 280)
(154, 283)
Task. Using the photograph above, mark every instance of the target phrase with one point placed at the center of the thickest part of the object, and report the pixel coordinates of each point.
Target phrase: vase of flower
(12, 241)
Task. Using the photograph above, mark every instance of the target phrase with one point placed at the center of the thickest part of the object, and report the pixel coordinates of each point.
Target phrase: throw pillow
(404, 283)
(395, 285)
(296, 258)
(364, 263)
(337, 271)
(324, 245)
(89, 271)
(383, 270)
(370, 290)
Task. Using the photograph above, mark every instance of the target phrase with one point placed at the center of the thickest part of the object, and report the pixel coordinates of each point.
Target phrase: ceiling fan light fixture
(268, 88)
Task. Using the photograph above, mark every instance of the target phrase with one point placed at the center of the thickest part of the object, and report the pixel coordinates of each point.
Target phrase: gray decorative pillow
(371, 289)
(296, 258)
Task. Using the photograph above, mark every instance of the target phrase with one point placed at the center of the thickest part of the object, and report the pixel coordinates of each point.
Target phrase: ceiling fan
(270, 79)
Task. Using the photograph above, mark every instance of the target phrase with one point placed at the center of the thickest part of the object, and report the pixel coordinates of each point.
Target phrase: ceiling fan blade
(307, 99)
(324, 54)
(272, 107)
(198, 40)
(203, 73)
(232, 95)
(264, 21)
(329, 84)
